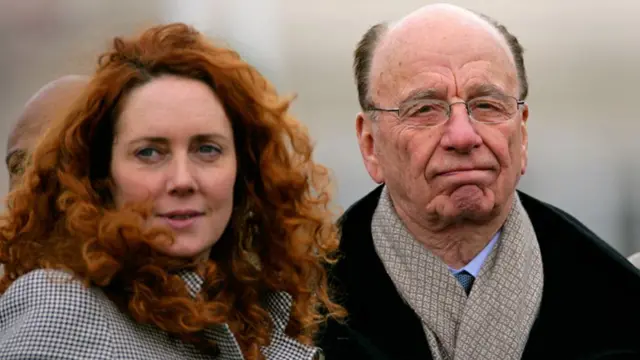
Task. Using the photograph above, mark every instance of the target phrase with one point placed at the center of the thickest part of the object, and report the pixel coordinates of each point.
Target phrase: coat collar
(278, 305)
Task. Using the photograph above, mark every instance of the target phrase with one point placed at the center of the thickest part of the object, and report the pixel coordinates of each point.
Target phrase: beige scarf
(494, 321)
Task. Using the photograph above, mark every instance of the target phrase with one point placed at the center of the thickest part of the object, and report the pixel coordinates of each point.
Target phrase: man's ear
(524, 139)
(366, 141)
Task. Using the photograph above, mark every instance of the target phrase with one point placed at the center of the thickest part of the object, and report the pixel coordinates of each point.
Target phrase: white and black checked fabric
(46, 314)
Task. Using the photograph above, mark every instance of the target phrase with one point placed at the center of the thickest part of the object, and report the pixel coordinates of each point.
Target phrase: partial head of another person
(182, 156)
(50, 102)
(443, 116)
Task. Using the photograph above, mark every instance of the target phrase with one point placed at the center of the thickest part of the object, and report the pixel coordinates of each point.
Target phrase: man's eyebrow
(20, 153)
(484, 90)
(421, 94)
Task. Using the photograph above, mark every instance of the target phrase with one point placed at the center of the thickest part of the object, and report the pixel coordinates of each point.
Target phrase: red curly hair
(280, 237)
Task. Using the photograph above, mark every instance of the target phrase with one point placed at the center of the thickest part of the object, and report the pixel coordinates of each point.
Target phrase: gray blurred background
(581, 56)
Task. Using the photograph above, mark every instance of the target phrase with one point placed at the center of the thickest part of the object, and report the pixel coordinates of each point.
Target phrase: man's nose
(460, 134)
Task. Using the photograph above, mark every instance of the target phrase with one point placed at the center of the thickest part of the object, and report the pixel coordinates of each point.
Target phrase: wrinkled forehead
(441, 37)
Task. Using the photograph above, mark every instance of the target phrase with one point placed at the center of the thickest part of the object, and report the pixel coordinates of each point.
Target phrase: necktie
(465, 279)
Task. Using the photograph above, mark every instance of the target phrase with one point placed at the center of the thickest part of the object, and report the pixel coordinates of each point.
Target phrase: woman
(183, 196)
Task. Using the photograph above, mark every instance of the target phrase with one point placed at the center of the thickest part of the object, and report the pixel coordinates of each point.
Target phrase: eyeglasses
(432, 112)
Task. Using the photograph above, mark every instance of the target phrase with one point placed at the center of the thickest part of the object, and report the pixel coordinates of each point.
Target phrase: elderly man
(446, 260)
(50, 101)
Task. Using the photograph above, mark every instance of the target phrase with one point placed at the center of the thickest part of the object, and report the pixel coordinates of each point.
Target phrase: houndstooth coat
(43, 315)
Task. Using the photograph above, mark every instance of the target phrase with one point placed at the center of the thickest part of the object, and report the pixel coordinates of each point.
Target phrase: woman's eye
(147, 153)
(209, 149)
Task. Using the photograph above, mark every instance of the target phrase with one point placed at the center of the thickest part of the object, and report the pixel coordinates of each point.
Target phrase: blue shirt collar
(474, 266)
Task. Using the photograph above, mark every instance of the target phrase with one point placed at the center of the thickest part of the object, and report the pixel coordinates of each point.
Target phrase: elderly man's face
(460, 170)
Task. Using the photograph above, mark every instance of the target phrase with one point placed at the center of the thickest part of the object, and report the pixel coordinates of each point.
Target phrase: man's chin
(472, 199)
(468, 203)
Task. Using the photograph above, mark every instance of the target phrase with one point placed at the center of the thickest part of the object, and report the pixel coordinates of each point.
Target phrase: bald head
(443, 28)
(51, 101)
(436, 17)
(440, 21)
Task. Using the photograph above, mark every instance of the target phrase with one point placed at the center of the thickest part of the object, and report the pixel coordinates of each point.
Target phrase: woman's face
(174, 144)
